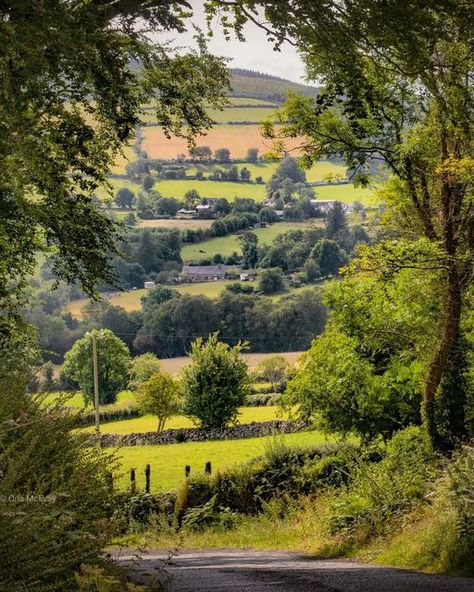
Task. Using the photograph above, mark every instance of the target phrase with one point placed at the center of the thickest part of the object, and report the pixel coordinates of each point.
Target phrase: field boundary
(174, 436)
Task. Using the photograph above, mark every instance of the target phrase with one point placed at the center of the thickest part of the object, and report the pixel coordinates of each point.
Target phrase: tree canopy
(396, 90)
(76, 75)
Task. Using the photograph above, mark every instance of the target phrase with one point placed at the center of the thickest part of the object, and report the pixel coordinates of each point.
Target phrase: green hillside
(247, 83)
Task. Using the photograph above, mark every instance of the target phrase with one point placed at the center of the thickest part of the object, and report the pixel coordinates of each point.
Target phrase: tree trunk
(448, 342)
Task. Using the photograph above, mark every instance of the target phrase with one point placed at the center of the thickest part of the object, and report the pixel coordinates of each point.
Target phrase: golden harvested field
(237, 138)
(175, 365)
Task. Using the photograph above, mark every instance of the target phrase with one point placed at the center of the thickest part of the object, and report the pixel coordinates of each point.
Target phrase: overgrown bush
(379, 492)
(55, 499)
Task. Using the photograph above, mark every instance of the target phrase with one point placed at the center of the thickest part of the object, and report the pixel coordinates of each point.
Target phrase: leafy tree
(249, 243)
(191, 198)
(147, 182)
(271, 281)
(160, 395)
(312, 271)
(167, 206)
(336, 222)
(49, 148)
(290, 169)
(387, 97)
(124, 197)
(286, 189)
(267, 215)
(200, 152)
(252, 155)
(364, 373)
(274, 371)
(222, 155)
(328, 256)
(216, 382)
(141, 369)
(222, 207)
(245, 174)
(113, 364)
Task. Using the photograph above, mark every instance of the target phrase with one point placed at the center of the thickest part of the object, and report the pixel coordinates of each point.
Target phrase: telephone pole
(96, 382)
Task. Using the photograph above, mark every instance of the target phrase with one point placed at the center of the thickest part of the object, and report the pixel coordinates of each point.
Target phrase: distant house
(325, 205)
(204, 273)
(246, 276)
(183, 213)
(149, 285)
(204, 208)
(280, 213)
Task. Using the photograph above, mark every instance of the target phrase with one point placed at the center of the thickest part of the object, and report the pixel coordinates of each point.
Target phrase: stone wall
(249, 430)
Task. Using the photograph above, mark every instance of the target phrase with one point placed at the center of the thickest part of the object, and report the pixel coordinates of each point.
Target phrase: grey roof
(204, 270)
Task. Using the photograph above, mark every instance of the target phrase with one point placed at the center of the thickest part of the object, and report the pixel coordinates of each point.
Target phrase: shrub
(160, 395)
(56, 498)
(216, 382)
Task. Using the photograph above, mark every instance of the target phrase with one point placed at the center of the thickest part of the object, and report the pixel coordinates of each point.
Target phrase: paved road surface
(251, 571)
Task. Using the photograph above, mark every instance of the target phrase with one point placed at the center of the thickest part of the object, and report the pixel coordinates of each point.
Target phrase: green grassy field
(132, 300)
(254, 114)
(226, 245)
(249, 101)
(216, 189)
(266, 169)
(168, 461)
(346, 193)
(124, 399)
(148, 423)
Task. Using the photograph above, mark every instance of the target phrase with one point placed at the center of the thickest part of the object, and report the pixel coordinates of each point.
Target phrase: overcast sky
(255, 54)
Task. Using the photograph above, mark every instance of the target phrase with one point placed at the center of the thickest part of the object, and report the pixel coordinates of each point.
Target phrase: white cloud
(256, 53)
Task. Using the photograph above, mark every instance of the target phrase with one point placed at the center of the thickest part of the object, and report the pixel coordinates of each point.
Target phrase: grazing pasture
(226, 245)
(168, 461)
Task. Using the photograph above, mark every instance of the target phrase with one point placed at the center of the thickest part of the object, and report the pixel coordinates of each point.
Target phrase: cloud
(256, 53)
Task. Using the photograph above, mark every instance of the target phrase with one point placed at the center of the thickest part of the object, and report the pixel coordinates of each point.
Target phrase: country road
(252, 571)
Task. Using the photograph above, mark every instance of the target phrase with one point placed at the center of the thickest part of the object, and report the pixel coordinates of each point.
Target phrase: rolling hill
(251, 84)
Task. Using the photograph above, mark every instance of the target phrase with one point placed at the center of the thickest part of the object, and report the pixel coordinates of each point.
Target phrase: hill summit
(257, 85)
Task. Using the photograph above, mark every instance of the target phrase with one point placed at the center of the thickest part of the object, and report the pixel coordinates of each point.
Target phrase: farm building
(149, 285)
(324, 205)
(204, 273)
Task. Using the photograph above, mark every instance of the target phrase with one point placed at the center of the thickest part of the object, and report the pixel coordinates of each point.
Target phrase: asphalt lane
(253, 571)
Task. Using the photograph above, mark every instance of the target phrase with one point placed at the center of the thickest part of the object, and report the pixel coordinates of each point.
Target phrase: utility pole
(96, 381)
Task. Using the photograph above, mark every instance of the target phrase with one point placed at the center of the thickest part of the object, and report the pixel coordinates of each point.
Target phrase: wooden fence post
(208, 468)
(147, 478)
(133, 483)
(187, 471)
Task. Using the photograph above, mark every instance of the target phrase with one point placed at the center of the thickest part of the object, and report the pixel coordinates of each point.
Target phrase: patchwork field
(168, 462)
(237, 138)
(226, 245)
(131, 300)
(148, 423)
